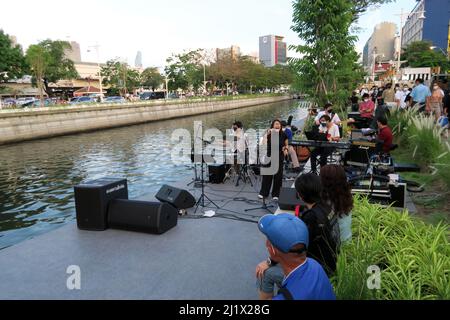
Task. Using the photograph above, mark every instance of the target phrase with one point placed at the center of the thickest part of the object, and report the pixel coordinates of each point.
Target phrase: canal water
(37, 178)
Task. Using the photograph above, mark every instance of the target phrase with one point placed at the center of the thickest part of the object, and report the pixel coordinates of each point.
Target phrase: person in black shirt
(354, 100)
(283, 149)
(322, 247)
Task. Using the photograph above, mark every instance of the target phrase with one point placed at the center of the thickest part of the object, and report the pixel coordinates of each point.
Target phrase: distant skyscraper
(272, 50)
(138, 62)
(74, 53)
(381, 43)
(233, 52)
(13, 41)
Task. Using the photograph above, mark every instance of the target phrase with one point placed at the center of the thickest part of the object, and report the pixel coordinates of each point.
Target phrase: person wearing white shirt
(328, 111)
(333, 135)
(400, 97)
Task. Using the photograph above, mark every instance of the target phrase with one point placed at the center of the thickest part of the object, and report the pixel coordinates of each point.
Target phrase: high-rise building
(74, 53)
(13, 41)
(381, 45)
(429, 20)
(233, 53)
(138, 62)
(272, 50)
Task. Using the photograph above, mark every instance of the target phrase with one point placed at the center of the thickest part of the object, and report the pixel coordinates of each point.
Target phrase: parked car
(82, 100)
(38, 103)
(9, 102)
(23, 101)
(116, 99)
(174, 96)
(153, 95)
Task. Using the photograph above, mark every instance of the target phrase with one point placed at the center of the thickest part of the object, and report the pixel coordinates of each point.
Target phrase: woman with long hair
(337, 194)
(276, 179)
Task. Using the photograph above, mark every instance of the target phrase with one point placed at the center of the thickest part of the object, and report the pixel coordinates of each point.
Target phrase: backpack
(335, 230)
(324, 235)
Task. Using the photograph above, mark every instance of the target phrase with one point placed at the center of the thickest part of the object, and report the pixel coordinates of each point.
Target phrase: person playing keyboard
(332, 135)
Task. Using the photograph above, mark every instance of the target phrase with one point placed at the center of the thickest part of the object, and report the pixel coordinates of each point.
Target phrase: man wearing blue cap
(287, 243)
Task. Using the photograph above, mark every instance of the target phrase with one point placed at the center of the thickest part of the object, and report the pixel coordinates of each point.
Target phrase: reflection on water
(37, 178)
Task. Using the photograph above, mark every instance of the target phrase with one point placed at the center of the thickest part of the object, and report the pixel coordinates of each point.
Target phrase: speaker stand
(264, 207)
(201, 200)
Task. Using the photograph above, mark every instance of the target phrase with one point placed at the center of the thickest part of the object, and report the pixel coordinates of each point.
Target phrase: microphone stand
(201, 200)
(264, 206)
(196, 180)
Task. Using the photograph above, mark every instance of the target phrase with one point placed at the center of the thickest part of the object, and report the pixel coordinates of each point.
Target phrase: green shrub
(414, 258)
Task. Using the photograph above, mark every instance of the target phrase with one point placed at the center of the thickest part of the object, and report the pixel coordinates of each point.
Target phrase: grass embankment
(413, 257)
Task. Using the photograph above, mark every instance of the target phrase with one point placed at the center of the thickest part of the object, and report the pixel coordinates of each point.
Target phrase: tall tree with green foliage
(56, 65)
(151, 78)
(328, 55)
(120, 78)
(421, 54)
(12, 60)
(361, 6)
(38, 59)
(185, 70)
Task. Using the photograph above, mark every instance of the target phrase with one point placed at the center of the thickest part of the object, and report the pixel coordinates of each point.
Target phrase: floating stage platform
(200, 259)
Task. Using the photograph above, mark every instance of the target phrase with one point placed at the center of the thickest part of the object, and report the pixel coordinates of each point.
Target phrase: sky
(160, 28)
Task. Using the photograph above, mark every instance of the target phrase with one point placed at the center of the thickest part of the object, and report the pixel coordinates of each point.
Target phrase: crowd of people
(434, 101)
(303, 248)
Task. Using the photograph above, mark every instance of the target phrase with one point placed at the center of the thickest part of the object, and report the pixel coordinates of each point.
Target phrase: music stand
(201, 200)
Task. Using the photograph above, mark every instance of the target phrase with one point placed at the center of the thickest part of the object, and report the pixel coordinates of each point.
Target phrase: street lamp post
(97, 49)
(404, 15)
(167, 85)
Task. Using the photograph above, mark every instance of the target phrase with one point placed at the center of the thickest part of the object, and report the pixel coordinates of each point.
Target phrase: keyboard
(321, 144)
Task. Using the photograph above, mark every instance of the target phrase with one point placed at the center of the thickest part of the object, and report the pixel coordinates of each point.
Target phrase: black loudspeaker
(142, 216)
(289, 200)
(92, 199)
(398, 195)
(180, 199)
(217, 173)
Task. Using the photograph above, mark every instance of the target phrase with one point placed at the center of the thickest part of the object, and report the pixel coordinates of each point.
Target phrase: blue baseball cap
(284, 231)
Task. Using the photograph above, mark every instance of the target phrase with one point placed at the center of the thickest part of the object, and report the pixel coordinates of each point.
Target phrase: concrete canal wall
(43, 123)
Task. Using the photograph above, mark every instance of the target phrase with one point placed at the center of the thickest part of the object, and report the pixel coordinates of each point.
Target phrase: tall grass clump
(425, 140)
(414, 258)
(399, 120)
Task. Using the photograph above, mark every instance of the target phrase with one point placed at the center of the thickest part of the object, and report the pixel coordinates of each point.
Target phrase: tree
(186, 70)
(12, 61)
(55, 65)
(420, 54)
(328, 55)
(361, 6)
(38, 59)
(151, 78)
(120, 77)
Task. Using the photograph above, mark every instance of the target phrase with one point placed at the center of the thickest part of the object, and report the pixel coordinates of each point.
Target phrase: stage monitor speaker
(142, 216)
(289, 200)
(398, 195)
(92, 199)
(180, 199)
